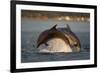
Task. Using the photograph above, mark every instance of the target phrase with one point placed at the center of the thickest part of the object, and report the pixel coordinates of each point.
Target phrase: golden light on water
(67, 18)
(82, 18)
(60, 16)
(71, 18)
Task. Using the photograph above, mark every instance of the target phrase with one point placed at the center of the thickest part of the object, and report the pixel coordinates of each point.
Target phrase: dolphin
(73, 39)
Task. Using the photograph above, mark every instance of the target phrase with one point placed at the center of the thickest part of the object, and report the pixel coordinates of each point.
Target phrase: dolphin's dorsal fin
(54, 27)
(68, 27)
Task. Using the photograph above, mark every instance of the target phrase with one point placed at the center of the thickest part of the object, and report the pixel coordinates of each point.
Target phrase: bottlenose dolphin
(73, 39)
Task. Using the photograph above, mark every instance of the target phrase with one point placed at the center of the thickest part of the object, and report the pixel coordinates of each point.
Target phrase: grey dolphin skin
(49, 34)
(65, 34)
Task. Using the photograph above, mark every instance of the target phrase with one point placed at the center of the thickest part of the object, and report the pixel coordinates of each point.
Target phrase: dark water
(29, 52)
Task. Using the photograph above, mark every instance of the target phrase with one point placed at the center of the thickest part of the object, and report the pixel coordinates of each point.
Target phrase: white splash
(55, 45)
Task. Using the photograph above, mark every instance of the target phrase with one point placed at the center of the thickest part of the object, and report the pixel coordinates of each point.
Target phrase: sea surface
(30, 32)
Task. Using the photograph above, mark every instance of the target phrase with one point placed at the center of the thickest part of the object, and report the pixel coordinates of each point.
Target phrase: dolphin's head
(45, 35)
(74, 43)
(73, 39)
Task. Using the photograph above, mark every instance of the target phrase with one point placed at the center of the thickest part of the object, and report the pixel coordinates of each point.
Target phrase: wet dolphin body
(73, 39)
(66, 35)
